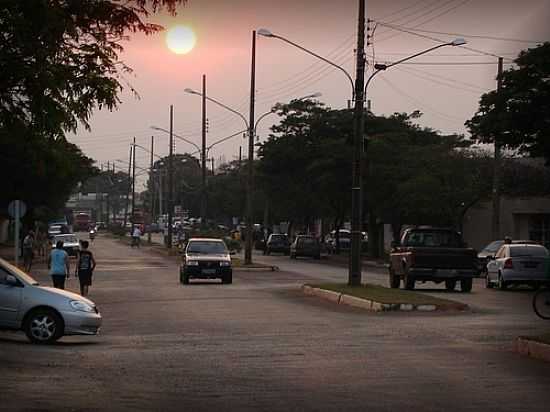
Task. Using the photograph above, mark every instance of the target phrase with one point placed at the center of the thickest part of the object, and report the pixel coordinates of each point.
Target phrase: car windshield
(67, 239)
(534, 251)
(278, 238)
(493, 246)
(22, 275)
(432, 239)
(206, 247)
(307, 240)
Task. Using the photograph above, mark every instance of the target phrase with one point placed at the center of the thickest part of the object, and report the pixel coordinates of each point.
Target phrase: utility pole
(129, 188)
(212, 159)
(250, 180)
(496, 166)
(151, 190)
(354, 276)
(133, 185)
(203, 153)
(170, 179)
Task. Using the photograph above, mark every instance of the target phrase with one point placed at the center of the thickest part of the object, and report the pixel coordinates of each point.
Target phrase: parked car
(490, 251)
(305, 245)
(344, 240)
(206, 258)
(518, 264)
(278, 243)
(45, 314)
(432, 254)
(71, 244)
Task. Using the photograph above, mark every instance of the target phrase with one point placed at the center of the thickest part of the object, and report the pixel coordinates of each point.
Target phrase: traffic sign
(12, 208)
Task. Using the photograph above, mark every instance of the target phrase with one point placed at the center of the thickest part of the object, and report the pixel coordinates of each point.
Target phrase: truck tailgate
(443, 258)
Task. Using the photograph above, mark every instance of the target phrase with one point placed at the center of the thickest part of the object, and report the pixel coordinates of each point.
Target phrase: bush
(117, 230)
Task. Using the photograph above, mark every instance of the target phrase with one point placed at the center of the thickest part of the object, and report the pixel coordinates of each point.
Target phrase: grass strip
(382, 294)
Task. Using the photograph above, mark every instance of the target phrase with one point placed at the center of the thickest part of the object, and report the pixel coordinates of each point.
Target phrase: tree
(519, 114)
(60, 59)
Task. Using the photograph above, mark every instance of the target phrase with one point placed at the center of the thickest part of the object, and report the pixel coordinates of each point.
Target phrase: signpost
(17, 209)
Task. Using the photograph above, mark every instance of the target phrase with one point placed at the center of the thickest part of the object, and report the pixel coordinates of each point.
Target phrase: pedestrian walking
(28, 251)
(85, 266)
(58, 263)
(136, 236)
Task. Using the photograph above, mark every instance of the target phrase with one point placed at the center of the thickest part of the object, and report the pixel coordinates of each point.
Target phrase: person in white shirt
(136, 236)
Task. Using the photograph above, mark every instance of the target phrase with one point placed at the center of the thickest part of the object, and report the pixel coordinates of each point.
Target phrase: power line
(443, 83)
(477, 36)
(404, 9)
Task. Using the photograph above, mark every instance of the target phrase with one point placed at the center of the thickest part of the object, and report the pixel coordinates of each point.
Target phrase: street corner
(534, 347)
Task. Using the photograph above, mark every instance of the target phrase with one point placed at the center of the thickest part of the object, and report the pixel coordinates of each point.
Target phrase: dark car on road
(206, 258)
(305, 245)
(432, 254)
(277, 243)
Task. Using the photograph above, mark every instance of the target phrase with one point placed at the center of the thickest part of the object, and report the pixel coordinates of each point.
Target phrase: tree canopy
(519, 114)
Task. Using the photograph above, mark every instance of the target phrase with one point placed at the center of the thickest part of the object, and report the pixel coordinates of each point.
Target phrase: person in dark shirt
(84, 268)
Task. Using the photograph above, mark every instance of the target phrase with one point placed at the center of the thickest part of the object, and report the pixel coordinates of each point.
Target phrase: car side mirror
(11, 281)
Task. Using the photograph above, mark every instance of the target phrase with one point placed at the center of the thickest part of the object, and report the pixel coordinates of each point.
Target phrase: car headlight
(192, 263)
(225, 263)
(82, 306)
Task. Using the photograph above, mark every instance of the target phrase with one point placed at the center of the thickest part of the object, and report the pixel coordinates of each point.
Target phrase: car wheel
(501, 283)
(466, 285)
(228, 279)
(488, 283)
(317, 257)
(43, 326)
(450, 284)
(408, 281)
(394, 280)
(184, 278)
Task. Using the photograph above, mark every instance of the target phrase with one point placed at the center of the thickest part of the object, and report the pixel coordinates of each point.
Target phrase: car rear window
(432, 239)
(278, 237)
(67, 239)
(308, 240)
(535, 251)
(206, 247)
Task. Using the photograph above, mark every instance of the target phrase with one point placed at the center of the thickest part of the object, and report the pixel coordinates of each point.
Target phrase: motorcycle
(92, 234)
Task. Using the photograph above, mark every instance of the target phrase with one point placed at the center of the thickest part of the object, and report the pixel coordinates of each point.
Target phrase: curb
(532, 348)
(367, 304)
(256, 268)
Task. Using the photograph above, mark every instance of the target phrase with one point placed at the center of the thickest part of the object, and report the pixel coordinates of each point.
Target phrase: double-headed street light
(359, 96)
(251, 131)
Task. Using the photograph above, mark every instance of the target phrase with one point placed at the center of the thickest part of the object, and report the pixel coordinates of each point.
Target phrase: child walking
(84, 268)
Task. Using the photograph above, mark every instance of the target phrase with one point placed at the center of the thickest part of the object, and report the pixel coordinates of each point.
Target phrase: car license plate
(446, 272)
(209, 271)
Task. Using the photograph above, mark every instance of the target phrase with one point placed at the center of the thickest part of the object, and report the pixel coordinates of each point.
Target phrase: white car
(71, 244)
(44, 313)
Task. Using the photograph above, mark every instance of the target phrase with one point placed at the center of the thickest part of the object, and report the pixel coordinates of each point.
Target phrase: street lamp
(359, 96)
(160, 129)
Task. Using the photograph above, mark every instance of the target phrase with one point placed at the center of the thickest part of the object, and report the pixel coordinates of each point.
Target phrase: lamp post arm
(228, 108)
(403, 60)
(148, 151)
(178, 136)
(260, 118)
(319, 57)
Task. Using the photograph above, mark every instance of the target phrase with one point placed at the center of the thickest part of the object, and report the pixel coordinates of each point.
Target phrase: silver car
(71, 244)
(43, 313)
(516, 264)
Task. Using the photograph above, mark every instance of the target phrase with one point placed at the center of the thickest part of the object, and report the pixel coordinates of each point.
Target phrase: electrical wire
(447, 84)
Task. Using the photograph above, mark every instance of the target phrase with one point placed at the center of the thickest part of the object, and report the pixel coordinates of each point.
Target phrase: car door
(493, 264)
(10, 300)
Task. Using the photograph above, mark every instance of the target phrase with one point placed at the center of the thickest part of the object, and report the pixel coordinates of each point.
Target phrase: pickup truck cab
(432, 254)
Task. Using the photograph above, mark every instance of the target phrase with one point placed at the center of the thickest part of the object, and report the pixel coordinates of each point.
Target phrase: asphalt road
(260, 345)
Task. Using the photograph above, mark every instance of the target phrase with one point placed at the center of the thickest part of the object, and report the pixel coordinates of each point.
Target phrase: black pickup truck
(432, 254)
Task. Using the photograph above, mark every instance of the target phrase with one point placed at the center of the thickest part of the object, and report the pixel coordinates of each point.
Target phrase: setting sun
(180, 39)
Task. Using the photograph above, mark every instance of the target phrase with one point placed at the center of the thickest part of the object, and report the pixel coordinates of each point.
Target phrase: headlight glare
(192, 263)
(81, 306)
(225, 263)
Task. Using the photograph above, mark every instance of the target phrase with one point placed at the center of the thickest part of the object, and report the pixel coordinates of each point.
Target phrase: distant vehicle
(45, 314)
(278, 243)
(82, 221)
(305, 245)
(101, 225)
(206, 258)
(54, 230)
(344, 239)
(518, 264)
(435, 255)
(490, 251)
(71, 244)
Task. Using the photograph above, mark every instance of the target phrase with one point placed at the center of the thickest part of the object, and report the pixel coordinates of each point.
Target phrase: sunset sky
(446, 92)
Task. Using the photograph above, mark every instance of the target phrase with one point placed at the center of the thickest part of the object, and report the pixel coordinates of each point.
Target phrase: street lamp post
(359, 96)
